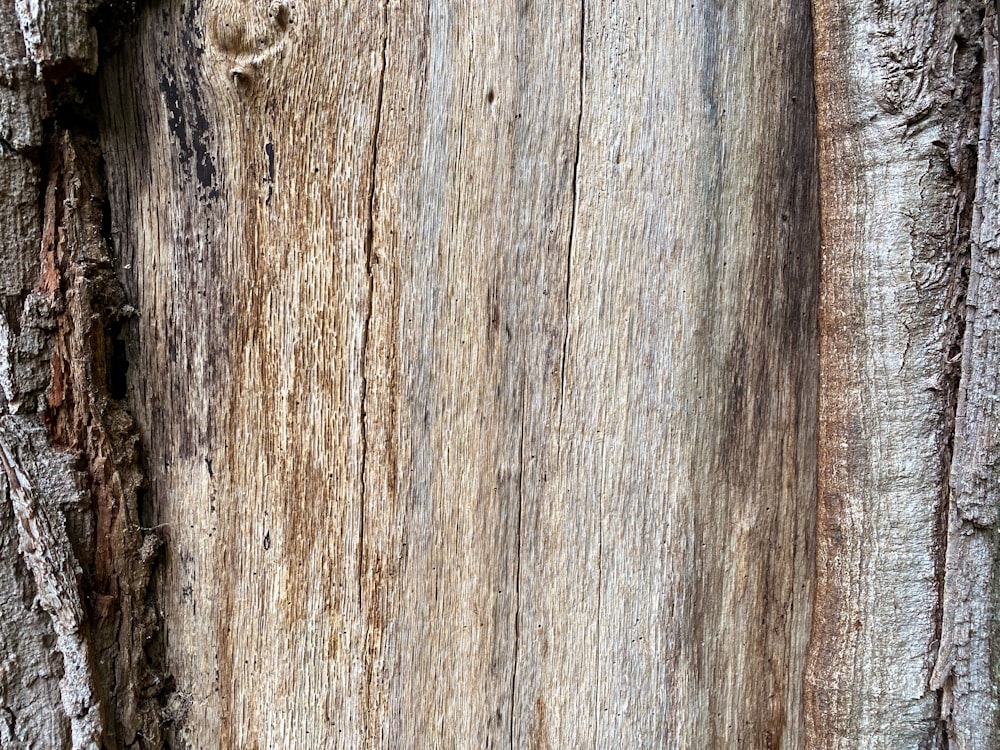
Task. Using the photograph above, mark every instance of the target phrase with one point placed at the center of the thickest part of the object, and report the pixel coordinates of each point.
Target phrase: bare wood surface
(475, 359)
(898, 91)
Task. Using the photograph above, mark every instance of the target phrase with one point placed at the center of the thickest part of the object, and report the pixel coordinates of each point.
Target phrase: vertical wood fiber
(476, 365)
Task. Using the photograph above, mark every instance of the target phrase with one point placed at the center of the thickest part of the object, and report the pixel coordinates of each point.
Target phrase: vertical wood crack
(369, 242)
(572, 222)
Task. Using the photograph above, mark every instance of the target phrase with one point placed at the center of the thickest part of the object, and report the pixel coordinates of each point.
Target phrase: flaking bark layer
(74, 561)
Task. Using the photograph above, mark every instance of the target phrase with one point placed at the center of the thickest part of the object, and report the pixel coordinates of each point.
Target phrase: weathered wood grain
(687, 420)
(475, 359)
(898, 90)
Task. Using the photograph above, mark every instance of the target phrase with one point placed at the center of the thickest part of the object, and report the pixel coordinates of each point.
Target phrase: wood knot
(280, 14)
(251, 38)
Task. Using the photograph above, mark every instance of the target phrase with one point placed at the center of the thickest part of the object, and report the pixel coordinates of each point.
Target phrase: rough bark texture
(71, 546)
(898, 92)
(967, 668)
(475, 354)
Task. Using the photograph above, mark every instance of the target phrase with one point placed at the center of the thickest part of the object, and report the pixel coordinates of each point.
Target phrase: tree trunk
(472, 354)
(74, 563)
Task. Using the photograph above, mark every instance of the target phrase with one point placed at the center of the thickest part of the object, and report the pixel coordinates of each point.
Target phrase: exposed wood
(475, 362)
(436, 304)
(898, 90)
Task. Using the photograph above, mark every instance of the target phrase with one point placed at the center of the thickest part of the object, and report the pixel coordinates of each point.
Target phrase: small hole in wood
(242, 79)
(279, 14)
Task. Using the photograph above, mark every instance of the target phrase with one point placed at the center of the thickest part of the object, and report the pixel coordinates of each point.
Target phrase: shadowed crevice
(369, 242)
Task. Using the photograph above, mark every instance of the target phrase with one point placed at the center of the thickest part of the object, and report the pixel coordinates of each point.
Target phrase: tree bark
(966, 667)
(472, 352)
(75, 564)
(901, 589)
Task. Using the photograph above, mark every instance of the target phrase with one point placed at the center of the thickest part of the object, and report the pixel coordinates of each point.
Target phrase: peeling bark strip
(968, 660)
(67, 446)
(78, 278)
(28, 462)
(898, 92)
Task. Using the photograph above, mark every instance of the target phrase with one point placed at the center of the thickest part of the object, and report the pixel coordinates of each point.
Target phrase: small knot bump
(228, 36)
(490, 96)
(280, 14)
(251, 43)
